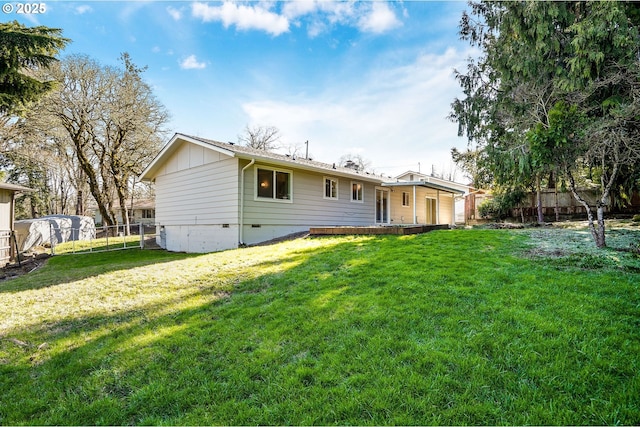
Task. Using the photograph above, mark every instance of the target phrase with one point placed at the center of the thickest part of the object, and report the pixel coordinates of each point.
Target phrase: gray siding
(308, 207)
(197, 188)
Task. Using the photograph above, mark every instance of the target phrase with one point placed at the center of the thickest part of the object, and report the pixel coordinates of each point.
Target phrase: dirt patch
(26, 266)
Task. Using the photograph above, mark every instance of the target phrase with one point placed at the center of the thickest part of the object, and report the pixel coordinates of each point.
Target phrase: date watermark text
(24, 8)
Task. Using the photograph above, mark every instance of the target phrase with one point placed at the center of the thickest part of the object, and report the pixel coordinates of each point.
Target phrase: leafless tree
(260, 137)
(110, 120)
(355, 162)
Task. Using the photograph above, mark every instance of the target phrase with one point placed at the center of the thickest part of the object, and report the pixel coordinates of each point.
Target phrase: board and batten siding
(267, 219)
(197, 200)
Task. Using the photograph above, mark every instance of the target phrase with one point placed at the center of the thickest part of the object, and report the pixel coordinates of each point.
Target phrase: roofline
(291, 163)
(422, 184)
(14, 187)
(169, 147)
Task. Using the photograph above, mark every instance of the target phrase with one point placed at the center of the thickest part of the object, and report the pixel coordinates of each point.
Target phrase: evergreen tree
(554, 91)
(22, 51)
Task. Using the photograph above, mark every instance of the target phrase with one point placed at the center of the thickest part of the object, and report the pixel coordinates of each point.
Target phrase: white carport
(53, 229)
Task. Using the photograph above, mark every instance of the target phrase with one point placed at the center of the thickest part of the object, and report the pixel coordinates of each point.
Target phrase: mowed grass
(100, 244)
(447, 328)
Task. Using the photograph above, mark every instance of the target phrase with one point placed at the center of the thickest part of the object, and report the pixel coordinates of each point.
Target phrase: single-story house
(7, 217)
(213, 196)
(434, 190)
(144, 212)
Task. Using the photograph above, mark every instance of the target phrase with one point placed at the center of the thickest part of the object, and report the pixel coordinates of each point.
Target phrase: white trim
(271, 199)
(361, 192)
(388, 213)
(324, 187)
(170, 147)
(408, 205)
(240, 228)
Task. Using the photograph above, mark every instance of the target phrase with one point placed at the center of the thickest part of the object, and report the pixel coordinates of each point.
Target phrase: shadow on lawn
(310, 343)
(130, 359)
(69, 267)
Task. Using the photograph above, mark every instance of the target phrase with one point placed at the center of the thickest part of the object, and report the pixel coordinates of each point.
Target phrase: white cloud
(242, 17)
(379, 19)
(394, 117)
(175, 13)
(191, 63)
(319, 16)
(82, 9)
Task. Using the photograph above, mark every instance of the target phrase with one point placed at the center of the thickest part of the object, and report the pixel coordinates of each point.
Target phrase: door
(431, 211)
(382, 206)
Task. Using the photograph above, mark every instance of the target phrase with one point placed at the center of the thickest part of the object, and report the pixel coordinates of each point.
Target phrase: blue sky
(371, 78)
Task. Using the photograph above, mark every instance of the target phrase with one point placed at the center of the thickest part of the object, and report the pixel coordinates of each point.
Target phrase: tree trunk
(598, 233)
(79, 207)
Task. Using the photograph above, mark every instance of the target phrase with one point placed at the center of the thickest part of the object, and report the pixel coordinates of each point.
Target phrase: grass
(100, 244)
(450, 327)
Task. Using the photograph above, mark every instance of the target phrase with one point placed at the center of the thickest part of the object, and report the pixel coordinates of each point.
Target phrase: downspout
(240, 232)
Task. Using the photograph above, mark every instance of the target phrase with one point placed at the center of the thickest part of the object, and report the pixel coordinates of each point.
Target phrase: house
(144, 212)
(7, 207)
(213, 196)
(434, 191)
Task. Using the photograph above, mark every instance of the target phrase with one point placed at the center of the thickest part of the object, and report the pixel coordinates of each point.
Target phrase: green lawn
(451, 327)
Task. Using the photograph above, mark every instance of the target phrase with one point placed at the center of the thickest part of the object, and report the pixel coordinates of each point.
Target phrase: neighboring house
(7, 208)
(144, 212)
(213, 196)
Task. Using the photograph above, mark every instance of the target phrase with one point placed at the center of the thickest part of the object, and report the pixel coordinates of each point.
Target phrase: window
(273, 184)
(356, 191)
(330, 188)
(148, 213)
(405, 198)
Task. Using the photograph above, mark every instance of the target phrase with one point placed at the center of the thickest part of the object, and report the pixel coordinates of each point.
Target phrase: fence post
(15, 242)
(141, 232)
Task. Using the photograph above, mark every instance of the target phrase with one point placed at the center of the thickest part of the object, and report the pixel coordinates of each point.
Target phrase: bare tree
(260, 137)
(355, 162)
(111, 122)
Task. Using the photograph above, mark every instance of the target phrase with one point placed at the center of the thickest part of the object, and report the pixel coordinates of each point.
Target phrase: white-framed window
(357, 192)
(273, 184)
(330, 188)
(405, 199)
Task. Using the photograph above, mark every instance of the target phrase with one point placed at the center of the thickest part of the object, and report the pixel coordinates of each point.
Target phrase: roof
(419, 176)
(249, 153)
(14, 187)
(422, 184)
(138, 204)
